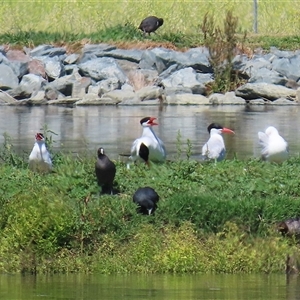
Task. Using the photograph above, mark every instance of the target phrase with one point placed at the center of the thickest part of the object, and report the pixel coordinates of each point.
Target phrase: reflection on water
(156, 287)
(115, 128)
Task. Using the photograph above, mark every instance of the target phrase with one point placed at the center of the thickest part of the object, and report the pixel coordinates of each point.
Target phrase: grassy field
(274, 17)
(218, 218)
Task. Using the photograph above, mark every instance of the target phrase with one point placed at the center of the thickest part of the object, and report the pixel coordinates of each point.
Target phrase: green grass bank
(36, 22)
(274, 17)
(218, 218)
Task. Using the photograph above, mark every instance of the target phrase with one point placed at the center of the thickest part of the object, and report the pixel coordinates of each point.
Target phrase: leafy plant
(222, 44)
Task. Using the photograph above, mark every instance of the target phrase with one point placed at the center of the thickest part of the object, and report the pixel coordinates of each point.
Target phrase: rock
(288, 67)
(186, 78)
(30, 83)
(269, 91)
(6, 98)
(171, 91)
(8, 78)
(187, 99)
(64, 101)
(54, 67)
(97, 48)
(38, 96)
(102, 68)
(128, 55)
(267, 76)
(90, 100)
(161, 59)
(47, 50)
(80, 87)
(149, 93)
(50, 94)
(259, 102)
(37, 67)
(108, 85)
(122, 97)
(284, 101)
(228, 98)
(138, 79)
(71, 59)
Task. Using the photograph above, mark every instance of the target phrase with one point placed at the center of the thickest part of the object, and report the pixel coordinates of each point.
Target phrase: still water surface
(156, 287)
(114, 128)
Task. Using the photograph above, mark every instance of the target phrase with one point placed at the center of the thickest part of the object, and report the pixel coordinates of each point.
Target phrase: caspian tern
(214, 148)
(105, 171)
(275, 148)
(39, 158)
(146, 198)
(148, 147)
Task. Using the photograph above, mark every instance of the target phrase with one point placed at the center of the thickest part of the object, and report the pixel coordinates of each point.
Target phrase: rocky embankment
(102, 74)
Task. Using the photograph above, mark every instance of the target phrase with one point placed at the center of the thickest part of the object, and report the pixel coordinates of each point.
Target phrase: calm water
(155, 287)
(115, 128)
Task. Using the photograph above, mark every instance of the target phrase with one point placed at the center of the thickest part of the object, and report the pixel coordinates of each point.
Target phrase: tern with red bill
(214, 148)
(274, 147)
(148, 147)
(39, 158)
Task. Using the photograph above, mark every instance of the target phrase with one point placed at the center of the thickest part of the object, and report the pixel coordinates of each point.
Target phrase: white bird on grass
(274, 147)
(148, 147)
(39, 158)
(214, 148)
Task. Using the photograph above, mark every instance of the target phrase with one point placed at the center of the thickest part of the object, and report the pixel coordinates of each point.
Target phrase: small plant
(7, 153)
(222, 44)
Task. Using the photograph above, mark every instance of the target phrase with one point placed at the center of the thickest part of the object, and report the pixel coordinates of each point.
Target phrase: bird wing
(263, 139)
(214, 148)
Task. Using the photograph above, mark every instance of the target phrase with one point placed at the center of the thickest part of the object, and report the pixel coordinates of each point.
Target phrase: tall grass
(274, 17)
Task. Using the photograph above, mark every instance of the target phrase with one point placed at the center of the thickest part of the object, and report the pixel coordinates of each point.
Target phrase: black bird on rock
(146, 198)
(105, 171)
(151, 24)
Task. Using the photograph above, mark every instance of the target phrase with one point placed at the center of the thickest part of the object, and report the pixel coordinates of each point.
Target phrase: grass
(65, 22)
(211, 217)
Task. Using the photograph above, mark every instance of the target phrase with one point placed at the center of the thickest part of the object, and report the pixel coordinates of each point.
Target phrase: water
(155, 287)
(115, 128)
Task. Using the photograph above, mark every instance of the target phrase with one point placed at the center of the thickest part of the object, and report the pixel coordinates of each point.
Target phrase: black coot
(146, 198)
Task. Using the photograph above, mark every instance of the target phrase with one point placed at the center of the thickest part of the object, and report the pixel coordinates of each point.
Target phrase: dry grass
(275, 17)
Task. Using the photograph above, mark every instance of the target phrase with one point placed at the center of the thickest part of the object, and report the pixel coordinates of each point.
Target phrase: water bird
(214, 148)
(39, 158)
(105, 171)
(274, 147)
(148, 147)
(146, 198)
(151, 24)
(290, 227)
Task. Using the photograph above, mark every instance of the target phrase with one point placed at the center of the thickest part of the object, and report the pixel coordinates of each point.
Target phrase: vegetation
(211, 217)
(35, 22)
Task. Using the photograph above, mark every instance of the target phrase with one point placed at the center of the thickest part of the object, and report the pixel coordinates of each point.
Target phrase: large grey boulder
(187, 99)
(8, 78)
(122, 54)
(29, 84)
(54, 67)
(47, 50)
(161, 59)
(288, 67)
(269, 91)
(185, 78)
(267, 76)
(227, 98)
(149, 93)
(122, 97)
(102, 68)
(5, 98)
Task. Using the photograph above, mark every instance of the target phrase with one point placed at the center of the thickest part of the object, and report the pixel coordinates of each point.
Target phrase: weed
(222, 44)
